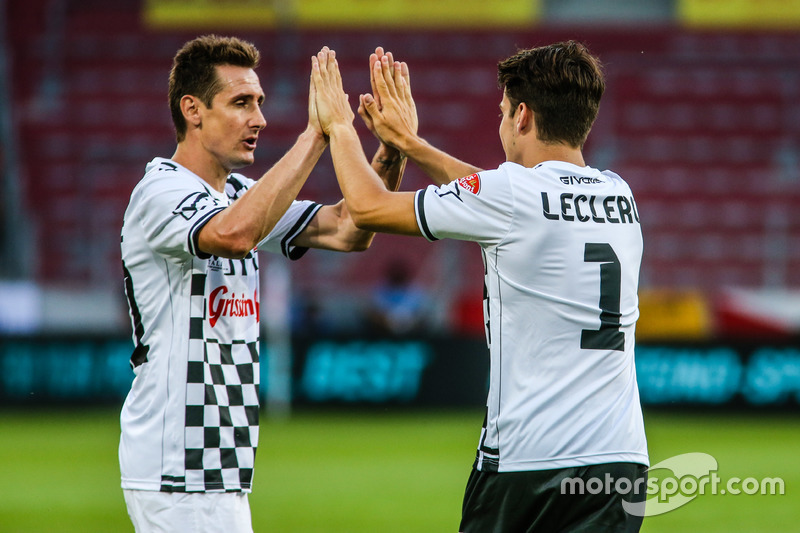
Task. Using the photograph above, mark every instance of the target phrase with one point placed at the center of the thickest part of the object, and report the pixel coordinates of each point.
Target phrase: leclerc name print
(591, 208)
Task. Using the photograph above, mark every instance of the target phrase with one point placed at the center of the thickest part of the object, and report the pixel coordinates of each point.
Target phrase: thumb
(369, 100)
(371, 105)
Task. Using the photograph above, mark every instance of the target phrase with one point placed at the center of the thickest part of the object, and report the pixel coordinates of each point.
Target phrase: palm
(394, 115)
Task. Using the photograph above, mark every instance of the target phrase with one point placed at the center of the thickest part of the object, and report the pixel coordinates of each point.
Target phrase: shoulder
(162, 175)
(167, 187)
(237, 185)
(615, 178)
(481, 183)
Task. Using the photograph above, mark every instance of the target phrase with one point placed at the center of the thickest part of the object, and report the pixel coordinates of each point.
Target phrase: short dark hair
(194, 71)
(561, 83)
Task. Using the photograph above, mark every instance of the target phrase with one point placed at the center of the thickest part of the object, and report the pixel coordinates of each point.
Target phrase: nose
(259, 121)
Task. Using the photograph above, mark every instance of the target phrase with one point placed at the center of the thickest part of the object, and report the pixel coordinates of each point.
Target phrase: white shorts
(193, 512)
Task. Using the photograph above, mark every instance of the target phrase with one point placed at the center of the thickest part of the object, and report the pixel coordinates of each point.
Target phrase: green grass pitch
(383, 471)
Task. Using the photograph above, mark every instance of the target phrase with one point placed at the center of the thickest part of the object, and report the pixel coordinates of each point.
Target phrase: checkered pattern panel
(222, 417)
(221, 409)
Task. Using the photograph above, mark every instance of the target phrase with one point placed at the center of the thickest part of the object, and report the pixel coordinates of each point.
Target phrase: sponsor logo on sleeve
(471, 183)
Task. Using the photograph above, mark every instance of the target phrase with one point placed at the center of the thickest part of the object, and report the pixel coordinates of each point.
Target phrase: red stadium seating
(704, 126)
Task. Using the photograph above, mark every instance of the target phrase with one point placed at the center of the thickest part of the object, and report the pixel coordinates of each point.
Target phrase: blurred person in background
(399, 305)
(562, 247)
(189, 425)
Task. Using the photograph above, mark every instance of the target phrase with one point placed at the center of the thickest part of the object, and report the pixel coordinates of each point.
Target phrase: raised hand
(373, 58)
(390, 112)
(332, 106)
(313, 116)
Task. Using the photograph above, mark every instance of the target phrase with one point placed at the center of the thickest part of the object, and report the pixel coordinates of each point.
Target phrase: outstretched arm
(370, 204)
(332, 227)
(388, 161)
(390, 112)
(237, 229)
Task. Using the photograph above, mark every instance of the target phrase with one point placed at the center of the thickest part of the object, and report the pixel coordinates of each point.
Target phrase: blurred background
(701, 116)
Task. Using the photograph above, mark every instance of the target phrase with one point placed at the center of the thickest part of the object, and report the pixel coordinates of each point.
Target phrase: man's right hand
(333, 107)
(390, 112)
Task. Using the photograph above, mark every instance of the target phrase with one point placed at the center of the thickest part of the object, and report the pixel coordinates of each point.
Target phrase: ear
(191, 108)
(524, 120)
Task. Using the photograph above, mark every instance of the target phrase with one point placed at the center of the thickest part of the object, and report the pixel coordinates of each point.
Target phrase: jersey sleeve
(290, 225)
(475, 208)
(172, 210)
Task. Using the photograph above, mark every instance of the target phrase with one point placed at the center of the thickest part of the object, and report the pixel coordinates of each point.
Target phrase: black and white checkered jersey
(190, 421)
(562, 249)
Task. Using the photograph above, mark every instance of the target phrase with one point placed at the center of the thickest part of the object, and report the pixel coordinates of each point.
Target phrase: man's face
(507, 127)
(230, 126)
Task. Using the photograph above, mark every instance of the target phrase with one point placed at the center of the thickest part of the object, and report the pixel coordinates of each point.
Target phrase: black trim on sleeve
(139, 355)
(423, 223)
(294, 253)
(194, 234)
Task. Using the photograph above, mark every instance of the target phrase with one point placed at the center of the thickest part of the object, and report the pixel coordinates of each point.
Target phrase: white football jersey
(562, 248)
(190, 421)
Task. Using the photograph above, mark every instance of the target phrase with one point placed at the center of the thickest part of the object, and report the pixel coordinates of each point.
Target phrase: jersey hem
(157, 487)
(569, 462)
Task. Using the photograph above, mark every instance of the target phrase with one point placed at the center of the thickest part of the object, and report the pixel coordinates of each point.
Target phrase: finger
(386, 73)
(362, 110)
(380, 89)
(333, 69)
(330, 60)
(316, 71)
(322, 57)
(319, 71)
(406, 74)
(373, 60)
(405, 84)
(312, 100)
(370, 105)
(397, 75)
(364, 114)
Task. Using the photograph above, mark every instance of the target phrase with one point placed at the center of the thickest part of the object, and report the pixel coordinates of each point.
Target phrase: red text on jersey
(219, 306)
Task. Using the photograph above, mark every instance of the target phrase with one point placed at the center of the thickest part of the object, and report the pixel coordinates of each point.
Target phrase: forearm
(371, 206)
(333, 228)
(237, 229)
(358, 179)
(441, 167)
(389, 164)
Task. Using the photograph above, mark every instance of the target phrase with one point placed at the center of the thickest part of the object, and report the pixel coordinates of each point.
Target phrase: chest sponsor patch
(471, 183)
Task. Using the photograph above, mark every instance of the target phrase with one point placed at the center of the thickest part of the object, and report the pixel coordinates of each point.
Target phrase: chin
(242, 162)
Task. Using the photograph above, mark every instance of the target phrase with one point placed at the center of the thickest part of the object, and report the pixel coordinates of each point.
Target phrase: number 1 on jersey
(609, 336)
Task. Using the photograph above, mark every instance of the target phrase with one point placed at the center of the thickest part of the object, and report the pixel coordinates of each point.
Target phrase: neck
(541, 152)
(200, 162)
